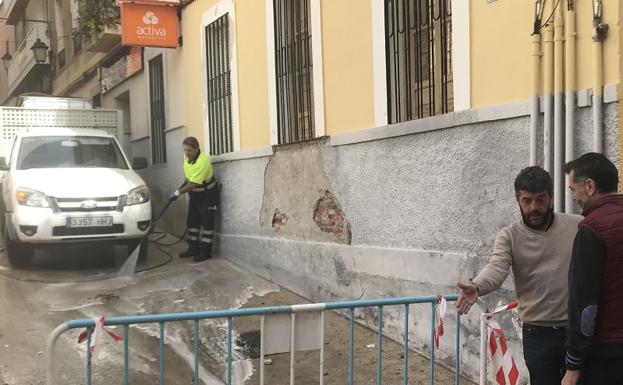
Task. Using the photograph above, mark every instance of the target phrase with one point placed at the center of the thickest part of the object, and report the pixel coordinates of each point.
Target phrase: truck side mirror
(139, 163)
(3, 165)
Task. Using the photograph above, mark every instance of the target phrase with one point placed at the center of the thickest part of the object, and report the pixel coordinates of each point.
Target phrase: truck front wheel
(19, 254)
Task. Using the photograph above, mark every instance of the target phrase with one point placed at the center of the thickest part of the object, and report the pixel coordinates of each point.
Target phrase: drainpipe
(536, 77)
(599, 34)
(558, 98)
(548, 88)
(569, 97)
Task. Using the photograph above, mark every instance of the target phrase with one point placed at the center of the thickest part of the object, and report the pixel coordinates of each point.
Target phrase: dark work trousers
(603, 371)
(200, 220)
(544, 352)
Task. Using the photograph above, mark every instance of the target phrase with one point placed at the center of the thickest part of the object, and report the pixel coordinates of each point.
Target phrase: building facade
(368, 148)
(365, 148)
(29, 22)
(85, 59)
(7, 35)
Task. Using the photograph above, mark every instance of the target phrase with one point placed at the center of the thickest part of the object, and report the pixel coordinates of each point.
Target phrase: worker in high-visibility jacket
(203, 194)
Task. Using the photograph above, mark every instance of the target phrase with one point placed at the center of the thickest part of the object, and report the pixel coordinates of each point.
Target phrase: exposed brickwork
(135, 61)
(279, 219)
(330, 218)
(298, 203)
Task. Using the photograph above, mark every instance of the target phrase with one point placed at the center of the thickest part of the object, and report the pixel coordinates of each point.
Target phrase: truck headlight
(137, 196)
(32, 198)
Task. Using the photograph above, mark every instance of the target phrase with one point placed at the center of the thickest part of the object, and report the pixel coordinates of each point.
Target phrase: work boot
(201, 257)
(192, 251)
(204, 253)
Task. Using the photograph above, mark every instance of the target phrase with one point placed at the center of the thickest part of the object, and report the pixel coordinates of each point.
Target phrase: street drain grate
(246, 346)
(249, 343)
(216, 348)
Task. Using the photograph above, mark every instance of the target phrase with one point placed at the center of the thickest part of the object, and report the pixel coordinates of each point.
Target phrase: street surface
(75, 282)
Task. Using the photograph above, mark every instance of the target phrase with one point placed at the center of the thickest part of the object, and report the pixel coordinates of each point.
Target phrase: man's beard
(582, 203)
(543, 221)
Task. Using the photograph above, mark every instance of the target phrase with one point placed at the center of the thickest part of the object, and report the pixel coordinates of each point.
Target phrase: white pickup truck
(66, 184)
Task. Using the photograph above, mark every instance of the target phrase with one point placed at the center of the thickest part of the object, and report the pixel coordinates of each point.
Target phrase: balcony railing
(24, 59)
(122, 69)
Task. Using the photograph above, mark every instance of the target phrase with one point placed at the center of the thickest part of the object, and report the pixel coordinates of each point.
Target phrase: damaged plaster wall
(423, 210)
(298, 203)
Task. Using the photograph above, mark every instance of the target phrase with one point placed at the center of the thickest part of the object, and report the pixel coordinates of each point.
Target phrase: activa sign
(151, 31)
(147, 25)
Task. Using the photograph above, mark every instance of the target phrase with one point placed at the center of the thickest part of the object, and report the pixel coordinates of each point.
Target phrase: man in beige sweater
(537, 248)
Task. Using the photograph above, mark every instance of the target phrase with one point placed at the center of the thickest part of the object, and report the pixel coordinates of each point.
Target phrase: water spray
(129, 267)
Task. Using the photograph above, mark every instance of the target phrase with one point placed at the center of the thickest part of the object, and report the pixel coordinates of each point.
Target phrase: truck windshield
(69, 151)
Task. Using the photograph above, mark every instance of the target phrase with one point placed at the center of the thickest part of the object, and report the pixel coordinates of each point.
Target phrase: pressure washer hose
(162, 234)
(161, 213)
(157, 242)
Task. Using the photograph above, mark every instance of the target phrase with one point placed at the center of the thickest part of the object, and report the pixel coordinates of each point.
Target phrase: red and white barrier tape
(504, 365)
(440, 312)
(96, 335)
(506, 307)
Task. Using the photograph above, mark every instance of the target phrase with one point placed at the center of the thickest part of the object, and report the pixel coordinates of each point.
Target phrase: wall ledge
(433, 123)
(460, 118)
(242, 154)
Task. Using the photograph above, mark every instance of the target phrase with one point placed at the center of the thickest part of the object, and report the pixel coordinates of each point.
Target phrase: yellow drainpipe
(548, 88)
(558, 106)
(598, 80)
(570, 85)
(534, 107)
(599, 34)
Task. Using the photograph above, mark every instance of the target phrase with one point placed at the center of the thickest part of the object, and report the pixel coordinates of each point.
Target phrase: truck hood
(78, 182)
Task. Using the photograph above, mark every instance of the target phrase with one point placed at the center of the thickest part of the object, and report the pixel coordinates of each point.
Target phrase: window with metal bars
(218, 59)
(293, 70)
(156, 104)
(418, 46)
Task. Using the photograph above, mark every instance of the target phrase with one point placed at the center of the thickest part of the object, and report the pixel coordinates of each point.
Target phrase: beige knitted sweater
(540, 264)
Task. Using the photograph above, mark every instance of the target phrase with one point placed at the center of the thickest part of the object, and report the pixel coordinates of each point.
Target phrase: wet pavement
(77, 282)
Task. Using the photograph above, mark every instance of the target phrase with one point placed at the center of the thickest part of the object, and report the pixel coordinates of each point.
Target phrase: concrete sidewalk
(34, 307)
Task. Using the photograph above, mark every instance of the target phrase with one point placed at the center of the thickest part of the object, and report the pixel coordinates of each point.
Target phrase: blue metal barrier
(162, 319)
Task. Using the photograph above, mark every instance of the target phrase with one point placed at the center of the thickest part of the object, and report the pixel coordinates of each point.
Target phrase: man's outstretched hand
(467, 297)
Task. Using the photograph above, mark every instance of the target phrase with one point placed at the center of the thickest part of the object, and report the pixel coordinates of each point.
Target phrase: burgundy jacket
(596, 284)
(605, 218)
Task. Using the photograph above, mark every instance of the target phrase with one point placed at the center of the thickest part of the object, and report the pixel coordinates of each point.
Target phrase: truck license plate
(89, 221)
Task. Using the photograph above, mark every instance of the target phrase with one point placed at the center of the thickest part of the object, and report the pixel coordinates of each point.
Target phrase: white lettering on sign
(151, 31)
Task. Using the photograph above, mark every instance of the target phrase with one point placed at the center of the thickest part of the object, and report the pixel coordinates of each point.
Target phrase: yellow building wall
(252, 70)
(585, 43)
(252, 73)
(191, 23)
(347, 65)
(500, 49)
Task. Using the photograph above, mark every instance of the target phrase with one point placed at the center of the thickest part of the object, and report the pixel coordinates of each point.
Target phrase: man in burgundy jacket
(595, 331)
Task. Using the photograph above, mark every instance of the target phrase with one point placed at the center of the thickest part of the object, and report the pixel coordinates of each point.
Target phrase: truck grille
(62, 231)
(82, 205)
